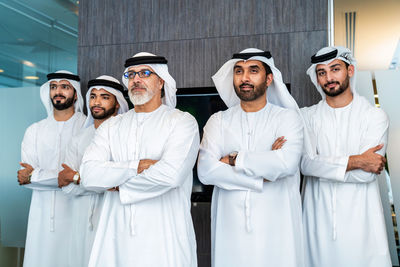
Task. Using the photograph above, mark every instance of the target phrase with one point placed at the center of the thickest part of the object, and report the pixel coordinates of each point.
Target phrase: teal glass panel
(36, 37)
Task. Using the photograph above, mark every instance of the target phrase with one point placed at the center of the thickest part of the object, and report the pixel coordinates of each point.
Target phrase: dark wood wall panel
(108, 22)
(197, 37)
(304, 44)
(191, 62)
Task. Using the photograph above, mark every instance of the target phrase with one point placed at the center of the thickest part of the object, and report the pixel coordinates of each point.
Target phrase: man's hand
(225, 159)
(114, 189)
(66, 176)
(24, 175)
(144, 164)
(278, 144)
(369, 161)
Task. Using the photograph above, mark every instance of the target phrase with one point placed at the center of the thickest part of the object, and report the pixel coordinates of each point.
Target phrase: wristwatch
(76, 179)
(232, 158)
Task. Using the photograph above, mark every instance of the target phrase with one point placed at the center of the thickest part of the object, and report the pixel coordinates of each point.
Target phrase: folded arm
(361, 168)
(212, 171)
(40, 179)
(275, 164)
(71, 167)
(98, 172)
(171, 170)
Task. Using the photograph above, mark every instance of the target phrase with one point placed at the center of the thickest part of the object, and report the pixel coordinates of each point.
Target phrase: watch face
(233, 154)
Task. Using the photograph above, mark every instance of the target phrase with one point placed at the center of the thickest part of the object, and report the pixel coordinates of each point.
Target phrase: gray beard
(140, 99)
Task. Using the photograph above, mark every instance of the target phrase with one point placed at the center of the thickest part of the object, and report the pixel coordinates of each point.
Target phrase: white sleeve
(98, 171)
(74, 189)
(41, 179)
(171, 170)
(73, 161)
(323, 167)
(334, 168)
(275, 164)
(212, 171)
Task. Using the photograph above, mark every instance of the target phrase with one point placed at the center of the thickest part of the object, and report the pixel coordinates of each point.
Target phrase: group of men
(113, 189)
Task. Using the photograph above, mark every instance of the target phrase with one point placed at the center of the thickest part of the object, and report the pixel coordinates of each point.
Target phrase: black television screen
(201, 103)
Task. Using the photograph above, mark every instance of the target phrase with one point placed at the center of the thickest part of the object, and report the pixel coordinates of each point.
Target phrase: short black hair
(267, 68)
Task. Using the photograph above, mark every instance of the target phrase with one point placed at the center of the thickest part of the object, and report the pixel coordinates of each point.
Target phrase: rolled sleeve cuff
(341, 171)
(123, 194)
(134, 164)
(259, 184)
(239, 165)
(35, 175)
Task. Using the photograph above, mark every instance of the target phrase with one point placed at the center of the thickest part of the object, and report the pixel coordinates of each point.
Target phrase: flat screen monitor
(201, 103)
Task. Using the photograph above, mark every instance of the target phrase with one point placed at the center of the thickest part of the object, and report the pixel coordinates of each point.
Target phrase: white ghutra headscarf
(111, 85)
(60, 76)
(277, 92)
(325, 56)
(160, 67)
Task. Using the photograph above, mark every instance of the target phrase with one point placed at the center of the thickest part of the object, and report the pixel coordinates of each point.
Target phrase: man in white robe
(147, 156)
(342, 212)
(104, 99)
(42, 153)
(256, 205)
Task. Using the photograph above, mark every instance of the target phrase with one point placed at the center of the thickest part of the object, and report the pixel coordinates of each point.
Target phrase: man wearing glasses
(143, 162)
(42, 153)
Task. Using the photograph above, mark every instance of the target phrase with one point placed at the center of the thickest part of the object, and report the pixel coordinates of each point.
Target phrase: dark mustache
(329, 83)
(59, 96)
(97, 107)
(246, 84)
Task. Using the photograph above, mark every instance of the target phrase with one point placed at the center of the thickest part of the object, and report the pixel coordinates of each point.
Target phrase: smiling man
(104, 99)
(251, 153)
(343, 217)
(143, 162)
(42, 153)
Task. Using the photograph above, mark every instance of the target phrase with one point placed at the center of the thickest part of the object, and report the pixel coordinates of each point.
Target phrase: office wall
(197, 37)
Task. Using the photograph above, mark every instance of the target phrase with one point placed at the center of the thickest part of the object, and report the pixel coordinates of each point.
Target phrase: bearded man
(145, 157)
(342, 211)
(251, 153)
(104, 99)
(42, 153)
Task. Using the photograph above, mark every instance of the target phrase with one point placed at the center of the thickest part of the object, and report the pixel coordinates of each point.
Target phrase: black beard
(254, 94)
(342, 88)
(105, 115)
(62, 106)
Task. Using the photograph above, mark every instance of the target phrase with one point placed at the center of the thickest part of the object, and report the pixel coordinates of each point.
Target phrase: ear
(270, 78)
(350, 70)
(161, 83)
(75, 96)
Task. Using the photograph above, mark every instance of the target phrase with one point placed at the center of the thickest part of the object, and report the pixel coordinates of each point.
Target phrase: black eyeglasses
(142, 74)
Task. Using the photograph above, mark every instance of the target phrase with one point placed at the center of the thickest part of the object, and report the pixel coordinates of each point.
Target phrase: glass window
(37, 37)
